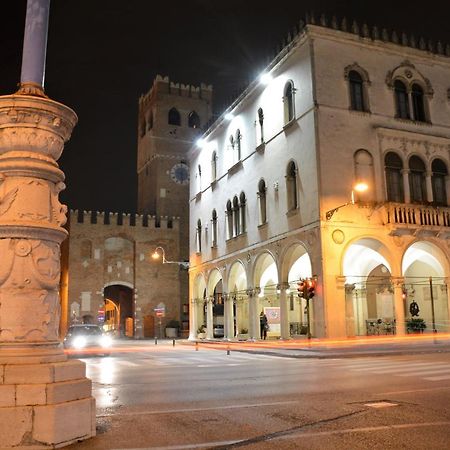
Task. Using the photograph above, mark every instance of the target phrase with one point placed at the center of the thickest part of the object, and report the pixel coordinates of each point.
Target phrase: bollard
(173, 342)
(196, 346)
(228, 349)
(156, 340)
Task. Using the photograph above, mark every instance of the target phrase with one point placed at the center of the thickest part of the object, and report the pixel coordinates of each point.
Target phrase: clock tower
(171, 117)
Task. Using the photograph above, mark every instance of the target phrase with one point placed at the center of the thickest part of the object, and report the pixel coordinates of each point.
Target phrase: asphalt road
(164, 397)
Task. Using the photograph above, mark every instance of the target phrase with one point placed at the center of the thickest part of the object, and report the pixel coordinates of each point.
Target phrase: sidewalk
(323, 348)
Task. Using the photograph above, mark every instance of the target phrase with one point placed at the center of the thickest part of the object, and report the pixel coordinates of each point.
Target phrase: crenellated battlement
(123, 219)
(165, 86)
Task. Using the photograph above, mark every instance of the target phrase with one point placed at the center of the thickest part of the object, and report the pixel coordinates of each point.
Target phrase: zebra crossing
(426, 370)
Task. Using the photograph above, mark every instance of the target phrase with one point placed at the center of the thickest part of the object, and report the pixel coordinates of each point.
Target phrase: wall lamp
(161, 253)
(358, 187)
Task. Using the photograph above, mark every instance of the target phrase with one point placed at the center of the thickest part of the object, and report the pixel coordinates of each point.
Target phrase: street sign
(160, 310)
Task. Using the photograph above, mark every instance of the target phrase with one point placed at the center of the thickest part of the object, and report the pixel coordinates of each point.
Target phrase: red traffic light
(311, 288)
(301, 286)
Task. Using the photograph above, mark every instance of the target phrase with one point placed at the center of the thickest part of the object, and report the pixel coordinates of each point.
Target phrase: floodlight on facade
(265, 78)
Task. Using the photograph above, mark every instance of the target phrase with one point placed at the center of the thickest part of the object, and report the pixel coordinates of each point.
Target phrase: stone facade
(109, 256)
(277, 202)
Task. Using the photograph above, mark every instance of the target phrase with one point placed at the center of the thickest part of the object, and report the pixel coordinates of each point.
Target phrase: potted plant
(201, 332)
(415, 325)
(172, 328)
(243, 335)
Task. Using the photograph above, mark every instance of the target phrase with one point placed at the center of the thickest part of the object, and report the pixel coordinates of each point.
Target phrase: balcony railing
(418, 215)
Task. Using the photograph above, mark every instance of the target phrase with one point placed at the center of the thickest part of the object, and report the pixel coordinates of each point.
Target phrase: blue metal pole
(35, 42)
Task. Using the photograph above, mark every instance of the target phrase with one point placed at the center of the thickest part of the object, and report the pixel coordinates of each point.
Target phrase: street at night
(158, 396)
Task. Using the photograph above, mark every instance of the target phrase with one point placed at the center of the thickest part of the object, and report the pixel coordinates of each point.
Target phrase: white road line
(413, 368)
(188, 410)
(390, 366)
(428, 371)
(127, 363)
(441, 378)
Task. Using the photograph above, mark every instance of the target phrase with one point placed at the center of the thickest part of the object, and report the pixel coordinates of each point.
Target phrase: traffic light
(311, 288)
(301, 288)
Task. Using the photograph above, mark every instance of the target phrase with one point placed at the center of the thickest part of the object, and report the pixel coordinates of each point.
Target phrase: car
(87, 338)
(218, 331)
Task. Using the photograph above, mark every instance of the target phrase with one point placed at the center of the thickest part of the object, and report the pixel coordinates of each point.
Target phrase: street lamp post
(358, 187)
(161, 253)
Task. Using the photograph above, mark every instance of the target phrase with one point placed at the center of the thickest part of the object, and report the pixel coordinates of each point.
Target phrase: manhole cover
(382, 404)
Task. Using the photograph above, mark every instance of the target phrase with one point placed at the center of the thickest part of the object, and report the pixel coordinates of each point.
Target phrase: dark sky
(103, 54)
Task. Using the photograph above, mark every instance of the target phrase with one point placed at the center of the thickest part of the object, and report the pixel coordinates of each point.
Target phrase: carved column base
(45, 405)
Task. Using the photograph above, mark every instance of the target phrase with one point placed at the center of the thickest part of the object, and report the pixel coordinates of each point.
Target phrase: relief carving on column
(29, 297)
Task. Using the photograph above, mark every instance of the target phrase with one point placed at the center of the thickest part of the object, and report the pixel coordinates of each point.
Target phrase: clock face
(180, 173)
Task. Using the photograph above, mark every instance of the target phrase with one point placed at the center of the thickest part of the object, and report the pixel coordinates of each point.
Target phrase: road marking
(127, 363)
(413, 391)
(211, 408)
(441, 378)
(410, 368)
(428, 371)
(390, 366)
(298, 434)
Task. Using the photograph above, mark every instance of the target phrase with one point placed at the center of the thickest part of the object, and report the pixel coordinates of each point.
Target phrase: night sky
(103, 54)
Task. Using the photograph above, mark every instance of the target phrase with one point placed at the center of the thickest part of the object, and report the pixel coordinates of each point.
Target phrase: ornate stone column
(228, 316)
(209, 318)
(399, 306)
(193, 319)
(252, 334)
(429, 186)
(46, 399)
(284, 312)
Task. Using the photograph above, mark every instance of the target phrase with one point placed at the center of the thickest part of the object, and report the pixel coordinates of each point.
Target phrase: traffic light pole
(308, 320)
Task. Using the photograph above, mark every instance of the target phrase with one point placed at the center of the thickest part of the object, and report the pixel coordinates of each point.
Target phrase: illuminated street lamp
(358, 187)
(157, 254)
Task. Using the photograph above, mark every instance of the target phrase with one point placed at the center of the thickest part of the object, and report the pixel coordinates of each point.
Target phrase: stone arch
(262, 262)
(369, 292)
(425, 270)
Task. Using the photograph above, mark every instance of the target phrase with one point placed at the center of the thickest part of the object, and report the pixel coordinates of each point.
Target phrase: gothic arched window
(438, 182)
(288, 99)
(364, 173)
(262, 205)
(236, 217)
(418, 104)
(174, 117)
(242, 213)
(198, 237)
(401, 100)
(193, 120)
(214, 228)
(229, 219)
(417, 186)
(237, 146)
(291, 186)
(356, 86)
(394, 178)
(214, 166)
(261, 126)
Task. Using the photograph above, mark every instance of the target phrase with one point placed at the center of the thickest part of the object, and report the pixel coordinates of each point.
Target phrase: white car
(87, 338)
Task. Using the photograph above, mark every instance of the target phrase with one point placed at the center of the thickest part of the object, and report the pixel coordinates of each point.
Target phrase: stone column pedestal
(45, 400)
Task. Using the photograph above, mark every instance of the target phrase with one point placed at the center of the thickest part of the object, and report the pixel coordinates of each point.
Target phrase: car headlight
(105, 341)
(79, 342)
